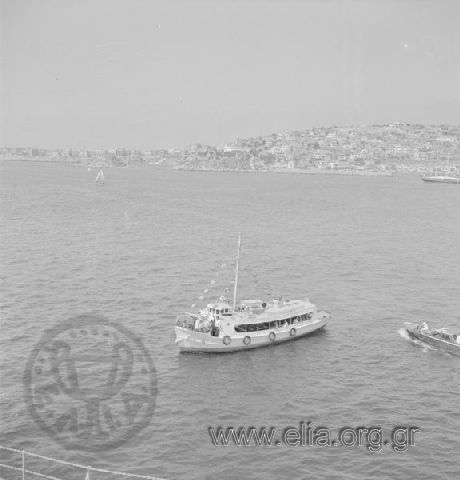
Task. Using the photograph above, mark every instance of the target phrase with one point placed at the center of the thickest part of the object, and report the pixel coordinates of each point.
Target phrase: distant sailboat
(100, 177)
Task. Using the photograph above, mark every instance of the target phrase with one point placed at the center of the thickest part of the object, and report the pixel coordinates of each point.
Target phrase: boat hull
(441, 179)
(434, 342)
(190, 341)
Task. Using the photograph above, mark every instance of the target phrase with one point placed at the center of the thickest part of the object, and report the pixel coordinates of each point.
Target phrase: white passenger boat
(225, 327)
(440, 338)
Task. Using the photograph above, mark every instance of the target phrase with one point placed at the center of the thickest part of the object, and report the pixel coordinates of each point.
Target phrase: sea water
(375, 251)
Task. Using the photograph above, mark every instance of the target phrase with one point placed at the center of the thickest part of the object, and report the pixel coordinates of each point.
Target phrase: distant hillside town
(385, 149)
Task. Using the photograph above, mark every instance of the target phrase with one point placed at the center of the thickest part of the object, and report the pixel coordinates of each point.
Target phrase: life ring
(292, 332)
(247, 340)
(272, 336)
(227, 340)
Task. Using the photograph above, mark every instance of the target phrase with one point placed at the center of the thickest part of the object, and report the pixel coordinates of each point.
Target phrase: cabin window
(254, 327)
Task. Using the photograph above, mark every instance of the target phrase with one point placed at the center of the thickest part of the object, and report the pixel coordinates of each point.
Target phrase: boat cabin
(447, 336)
(218, 310)
(267, 325)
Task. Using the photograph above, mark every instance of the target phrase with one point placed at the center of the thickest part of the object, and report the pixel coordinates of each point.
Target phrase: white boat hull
(192, 341)
(440, 179)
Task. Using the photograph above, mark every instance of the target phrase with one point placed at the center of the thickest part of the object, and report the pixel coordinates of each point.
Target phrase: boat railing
(81, 472)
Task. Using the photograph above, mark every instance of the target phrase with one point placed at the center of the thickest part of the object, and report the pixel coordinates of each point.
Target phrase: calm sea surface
(375, 251)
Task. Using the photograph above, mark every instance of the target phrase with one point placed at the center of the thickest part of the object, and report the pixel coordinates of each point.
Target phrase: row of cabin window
(255, 327)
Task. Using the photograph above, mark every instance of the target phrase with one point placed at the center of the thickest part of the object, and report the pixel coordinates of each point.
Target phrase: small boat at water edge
(223, 327)
(441, 179)
(440, 338)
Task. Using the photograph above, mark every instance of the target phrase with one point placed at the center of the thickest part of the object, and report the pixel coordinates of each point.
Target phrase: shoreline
(292, 171)
(287, 171)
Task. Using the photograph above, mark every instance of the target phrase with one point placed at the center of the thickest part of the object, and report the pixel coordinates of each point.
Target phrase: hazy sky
(161, 74)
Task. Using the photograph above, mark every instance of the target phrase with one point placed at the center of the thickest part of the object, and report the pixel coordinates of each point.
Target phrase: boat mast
(236, 272)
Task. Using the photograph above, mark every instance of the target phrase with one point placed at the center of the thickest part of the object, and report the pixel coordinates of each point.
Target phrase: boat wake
(405, 334)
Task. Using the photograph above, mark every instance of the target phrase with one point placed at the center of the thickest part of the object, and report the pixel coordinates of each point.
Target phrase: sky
(153, 74)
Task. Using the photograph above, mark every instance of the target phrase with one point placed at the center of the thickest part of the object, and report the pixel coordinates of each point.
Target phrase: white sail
(100, 176)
